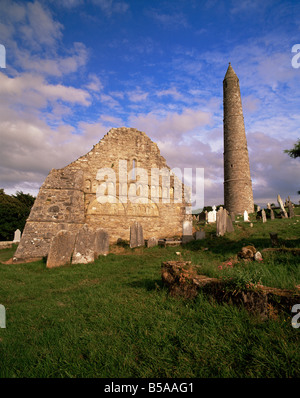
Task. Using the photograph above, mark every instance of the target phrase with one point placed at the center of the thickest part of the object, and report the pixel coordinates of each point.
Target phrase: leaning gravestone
(229, 224)
(263, 214)
(136, 235)
(101, 242)
(61, 249)
(283, 211)
(84, 251)
(17, 236)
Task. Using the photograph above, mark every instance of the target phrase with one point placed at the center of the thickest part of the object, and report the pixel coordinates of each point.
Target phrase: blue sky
(75, 69)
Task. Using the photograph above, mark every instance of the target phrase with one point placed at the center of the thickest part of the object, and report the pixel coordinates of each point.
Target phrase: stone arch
(149, 209)
(113, 206)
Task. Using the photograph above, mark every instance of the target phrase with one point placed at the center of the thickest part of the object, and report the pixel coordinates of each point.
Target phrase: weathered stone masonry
(238, 195)
(67, 199)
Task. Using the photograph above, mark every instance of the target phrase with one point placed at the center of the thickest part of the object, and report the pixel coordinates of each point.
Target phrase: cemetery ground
(115, 319)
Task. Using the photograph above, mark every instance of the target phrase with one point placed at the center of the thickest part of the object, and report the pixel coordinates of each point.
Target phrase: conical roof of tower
(230, 72)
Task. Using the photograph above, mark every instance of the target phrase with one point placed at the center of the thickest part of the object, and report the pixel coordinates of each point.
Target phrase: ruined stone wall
(238, 195)
(69, 197)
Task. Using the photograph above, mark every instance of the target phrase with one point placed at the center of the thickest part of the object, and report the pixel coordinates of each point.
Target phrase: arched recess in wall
(138, 209)
(112, 206)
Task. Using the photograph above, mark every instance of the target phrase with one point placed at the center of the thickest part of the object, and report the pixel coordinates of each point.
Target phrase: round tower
(238, 195)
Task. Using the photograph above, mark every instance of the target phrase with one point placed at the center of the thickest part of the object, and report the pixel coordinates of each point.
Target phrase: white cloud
(110, 7)
(273, 171)
(137, 95)
(31, 23)
(41, 28)
(94, 83)
(30, 90)
(168, 19)
(172, 92)
(171, 124)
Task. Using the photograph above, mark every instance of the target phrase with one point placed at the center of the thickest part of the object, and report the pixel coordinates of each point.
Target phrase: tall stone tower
(238, 195)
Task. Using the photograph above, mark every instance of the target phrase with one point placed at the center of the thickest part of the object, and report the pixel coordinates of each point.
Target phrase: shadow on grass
(225, 245)
(147, 284)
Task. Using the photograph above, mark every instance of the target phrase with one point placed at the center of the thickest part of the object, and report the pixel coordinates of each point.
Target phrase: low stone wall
(6, 245)
(182, 280)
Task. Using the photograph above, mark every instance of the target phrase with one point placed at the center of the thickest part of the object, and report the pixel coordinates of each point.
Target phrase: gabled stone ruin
(122, 180)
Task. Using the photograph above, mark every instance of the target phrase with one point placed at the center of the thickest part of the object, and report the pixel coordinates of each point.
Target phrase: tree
(294, 153)
(25, 198)
(14, 211)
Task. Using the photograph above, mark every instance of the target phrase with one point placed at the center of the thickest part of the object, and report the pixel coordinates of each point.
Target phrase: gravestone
(202, 216)
(61, 249)
(263, 214)
(187, 231)
(199, 235)
(17, 236)
(84, 251)
(212, 215)
(258, 209)
(221, 221)
(229, 225)
(291, 210)
(101, 242)
(136, 235)
(283, 211)
(272, 215)
(152, 242)
(246, 219)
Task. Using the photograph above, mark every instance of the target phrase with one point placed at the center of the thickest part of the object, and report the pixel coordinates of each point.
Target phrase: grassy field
(113, 318)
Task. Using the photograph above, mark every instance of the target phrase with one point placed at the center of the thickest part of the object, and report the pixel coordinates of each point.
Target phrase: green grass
(113, 318)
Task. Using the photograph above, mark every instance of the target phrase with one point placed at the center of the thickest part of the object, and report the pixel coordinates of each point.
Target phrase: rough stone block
(84, 251)
(136, 235)
(221, 221)
(101, 242)
(229, 224)
(199, 235)
(187, 238)
(152, 242)
(187, 227)
(61, 249)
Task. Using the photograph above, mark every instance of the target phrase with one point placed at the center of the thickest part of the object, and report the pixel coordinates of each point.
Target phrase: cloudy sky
(75, 69)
